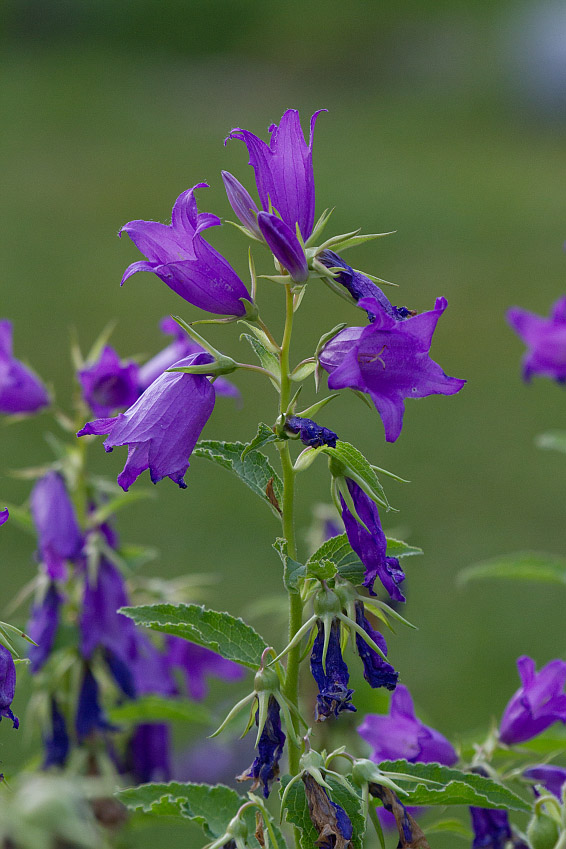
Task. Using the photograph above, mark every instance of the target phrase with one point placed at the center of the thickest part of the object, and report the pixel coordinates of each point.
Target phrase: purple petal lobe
(285, 246)
(108, 384)
(7, 685)
(537, 704)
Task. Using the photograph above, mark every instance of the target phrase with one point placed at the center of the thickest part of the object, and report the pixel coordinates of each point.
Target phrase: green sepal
(346, 461)
(100, 342)
(378, 280)
(350, 240)
(268, 360)
(196, 337)
(261, 336)
(125, 499)
(319, 227)
(244, 230)
(15, 640)
(315, 408)
(306, 458)
(326, 337)
(293, 571)
(154, 708)
(264, 436)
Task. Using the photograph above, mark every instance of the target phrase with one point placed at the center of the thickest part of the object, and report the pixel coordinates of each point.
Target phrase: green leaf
(554, 440)
(398, 548)
(523, 566)
(267, 359)
(453, 826)
(297, 810)
(348, 461)
(337, 550)
(264, 436)
(221, 632)
(293, 571)
(154, 708)
(459, 788)
(254, 469)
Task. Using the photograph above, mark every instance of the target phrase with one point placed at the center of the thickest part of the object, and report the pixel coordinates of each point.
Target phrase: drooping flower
(310, 433)
(242, 203)
(550, 776)
(389, 361)
(90, 717)
(108, 384)
(42, 626)
(491, 828)
(283, 170)
(7, 685)
(377, 672)
(149, 752)
(538, 703)
(21, 391)
(331, 821)
(198, 663)
(4, 515)
(401, 735)
(162, 427)
(265, 767)
(334, 694)
(283, 243)
(370, 543)
(178, 254)
(53, 514)
(57, 743)
(545, 339)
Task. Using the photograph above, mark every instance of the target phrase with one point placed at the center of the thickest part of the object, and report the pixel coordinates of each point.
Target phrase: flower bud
(327, 602)
(284, 245)
(542, 831)
(266, 679)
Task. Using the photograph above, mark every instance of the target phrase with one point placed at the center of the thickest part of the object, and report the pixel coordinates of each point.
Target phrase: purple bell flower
(57, 744)
(283, 170)
(162, 427)
(90, 717)
(149, 753)
(377, 672)
(198, 663)
(389, 361)
(371, 546)
(265, 768)
(242, 203)
(53, 514)
(401, 735)
(108, 384)
(42, 627)
(545, 339)
(538, 703)
(284, 245)
(491, 828)
(7, 685)
(21, 391)
(178, 255)
(334, 695)
(3, 516)
(310, 433)
(550, 776)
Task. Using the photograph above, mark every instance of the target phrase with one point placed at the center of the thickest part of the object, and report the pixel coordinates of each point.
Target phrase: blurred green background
(445, 124)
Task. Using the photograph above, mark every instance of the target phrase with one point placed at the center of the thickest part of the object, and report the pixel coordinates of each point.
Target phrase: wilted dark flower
(310, 433)
(21, 391)
(53, 514)
(377, 672)
(538, 703)
(411, 835)
(265, 768)
(284, 245)
(109, 384)
(332, 823)
(198, 663)
(57, 743)
(334, 695)
(7, 685)
(42, 626)
(545, 339)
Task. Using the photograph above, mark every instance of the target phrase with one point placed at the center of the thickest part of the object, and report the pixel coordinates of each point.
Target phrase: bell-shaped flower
(538, 703)
(42, 626)
(389, 361)
(284, 245)
(377, 672)
(265, 767)
(310, 433)
(148, 756)
(400, 734)
(56, 743)
(242, 203)
(491, 828)
(283, 170)
(90, 717)
(178, 254)
(330, 673)
(54, 517)
(550, 776)
(198, 664)
(4, 516)
(21, 391)
(162, 427)
(7, 685)
(108, 384)
(545, 339)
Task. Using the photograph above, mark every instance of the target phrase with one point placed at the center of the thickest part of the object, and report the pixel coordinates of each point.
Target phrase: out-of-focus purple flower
(148, 756)
(389, 361)
(491, 828)
(90, 717)
(401, 735)
(198, 663)
(57, 744)
(283, 170)
(42, 627)
(310, 433)
(242, 203)
(178, 255)
(265, 768)
(545, 339)
(550, 776)
(377, 672)
(21, 391)
(151, 669)
(210, 762)
(109, 384)
(538, 703)
(7, 685)
(371, 545)
(162, 427)
(334, 694)
(59, 535)
(284, 245)
(3, 516)
(332, 823)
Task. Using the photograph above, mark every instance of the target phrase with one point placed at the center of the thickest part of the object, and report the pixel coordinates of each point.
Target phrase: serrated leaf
(554, 440)
(230, 637)
(293, 571)
(297, 811)
(254, 469)
(153, 708)
(398, 548)
(459, 788)
(356, 467)
(523, 566)
(264, 436)
(268, 360)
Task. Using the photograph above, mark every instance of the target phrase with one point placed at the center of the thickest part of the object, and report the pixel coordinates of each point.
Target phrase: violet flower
(178, 255)
(57, 744)
(42, 627)
(21, 391)
(4, 515)
(109, 384)
(198, 663)
(7, 685)
(538, 703)
(491, 828)
(389, 361)
(148, 756)
(371, 544)
(310, 433)
(53, 514)
(283, 243)
(242, 203)
(283, 170)
(550, 776)
(90, 717)
(265, 768)
(162, 427)
(545, 339)
(401, 735)
(377, 672)
(334, 695)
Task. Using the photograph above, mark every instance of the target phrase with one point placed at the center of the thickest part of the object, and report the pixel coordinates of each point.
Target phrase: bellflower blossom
(283, 170)
(377, 672)
(491, 828)
(109, 384)
(401, 735)
(42, 627)
(178, 255)
(7, 685)
(21, 391)
(310, 433)
(334, 695)
(389, 361)
(53, 514)
(545, 339)
(162, 427)
(90, 717)
(550, 776)
(4, 515)
(538, 703)
(57, 743)
(198, 663)
(265, 768)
